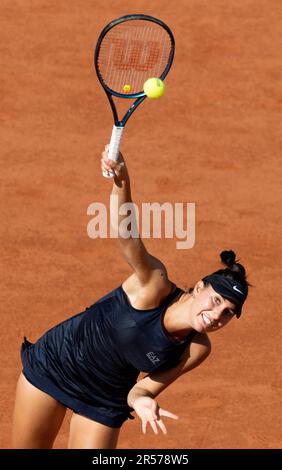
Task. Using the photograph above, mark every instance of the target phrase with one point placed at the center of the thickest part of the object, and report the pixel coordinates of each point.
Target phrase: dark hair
(234, 270)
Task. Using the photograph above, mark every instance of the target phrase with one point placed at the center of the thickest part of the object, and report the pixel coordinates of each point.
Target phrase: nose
(217, 312)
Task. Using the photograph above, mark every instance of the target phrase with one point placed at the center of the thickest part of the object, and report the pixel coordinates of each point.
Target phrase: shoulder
(151, 294)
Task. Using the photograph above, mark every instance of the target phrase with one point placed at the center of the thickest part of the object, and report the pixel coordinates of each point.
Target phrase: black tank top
(100, 352)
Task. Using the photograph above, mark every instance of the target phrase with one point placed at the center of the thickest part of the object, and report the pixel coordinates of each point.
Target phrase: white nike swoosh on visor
(237, 290)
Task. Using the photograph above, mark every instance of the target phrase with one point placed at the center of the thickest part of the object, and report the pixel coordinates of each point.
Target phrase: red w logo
(135, 54)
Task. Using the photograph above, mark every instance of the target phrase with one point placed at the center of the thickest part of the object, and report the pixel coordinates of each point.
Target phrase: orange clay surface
(213, 139)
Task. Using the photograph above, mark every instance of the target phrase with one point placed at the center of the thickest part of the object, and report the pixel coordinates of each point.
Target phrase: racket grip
(114, 148)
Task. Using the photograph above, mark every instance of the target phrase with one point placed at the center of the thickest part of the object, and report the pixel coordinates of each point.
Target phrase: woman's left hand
(149, 411)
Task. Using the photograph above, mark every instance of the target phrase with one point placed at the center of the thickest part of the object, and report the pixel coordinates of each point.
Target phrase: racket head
(131, 49)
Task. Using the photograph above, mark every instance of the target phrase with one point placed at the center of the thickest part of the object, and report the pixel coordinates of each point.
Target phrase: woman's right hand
(149, 411)
(118, 167)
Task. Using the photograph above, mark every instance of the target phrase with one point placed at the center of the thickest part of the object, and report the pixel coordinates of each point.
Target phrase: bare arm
(143, 263)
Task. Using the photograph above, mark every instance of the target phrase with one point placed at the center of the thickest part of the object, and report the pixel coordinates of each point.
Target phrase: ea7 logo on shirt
(153, 358)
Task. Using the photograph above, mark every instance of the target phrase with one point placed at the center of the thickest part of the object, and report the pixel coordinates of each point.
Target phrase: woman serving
(90, 362)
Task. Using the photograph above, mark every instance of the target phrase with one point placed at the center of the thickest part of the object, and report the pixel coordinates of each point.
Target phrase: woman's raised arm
(143, 263)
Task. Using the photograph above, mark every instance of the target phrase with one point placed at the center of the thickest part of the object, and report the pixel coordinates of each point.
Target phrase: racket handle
(114, 148)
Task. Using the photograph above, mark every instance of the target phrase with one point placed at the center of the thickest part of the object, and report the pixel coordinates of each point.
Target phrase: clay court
(213, 139)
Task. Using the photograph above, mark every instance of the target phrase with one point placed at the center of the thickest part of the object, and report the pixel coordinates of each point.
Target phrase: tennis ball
(126, 88)
(154, 88)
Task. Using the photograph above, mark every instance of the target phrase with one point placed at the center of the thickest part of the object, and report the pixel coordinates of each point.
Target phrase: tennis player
(90, 362)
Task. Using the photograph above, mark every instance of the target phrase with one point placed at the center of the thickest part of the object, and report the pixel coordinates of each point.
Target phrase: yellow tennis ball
(126, 88)
(154, 88)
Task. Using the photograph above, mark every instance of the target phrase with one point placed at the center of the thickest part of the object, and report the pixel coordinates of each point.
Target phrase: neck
(176, 318)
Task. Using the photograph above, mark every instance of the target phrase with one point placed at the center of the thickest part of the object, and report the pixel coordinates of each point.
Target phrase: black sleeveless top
(90, 361)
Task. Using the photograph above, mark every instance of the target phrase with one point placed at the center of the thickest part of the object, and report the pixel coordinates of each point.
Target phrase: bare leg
(37, 417)
(88, 434)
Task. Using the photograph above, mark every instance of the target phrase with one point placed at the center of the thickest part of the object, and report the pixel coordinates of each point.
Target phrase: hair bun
(228, 258)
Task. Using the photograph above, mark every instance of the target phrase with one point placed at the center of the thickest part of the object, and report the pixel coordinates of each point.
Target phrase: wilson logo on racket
(132, 55)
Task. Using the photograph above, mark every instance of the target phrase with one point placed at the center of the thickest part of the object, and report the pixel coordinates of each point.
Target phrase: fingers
(105, 164)
(154, 426)
(113, 163)
(168, 414)
(157, 421)
(160, 423)
(150, 412)
(108, 165)
(144, 426)
(120, 156)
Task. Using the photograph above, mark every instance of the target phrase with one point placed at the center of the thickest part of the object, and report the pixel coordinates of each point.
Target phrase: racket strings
(132, 52)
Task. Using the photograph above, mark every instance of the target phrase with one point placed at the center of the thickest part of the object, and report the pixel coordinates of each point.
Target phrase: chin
(198, 326)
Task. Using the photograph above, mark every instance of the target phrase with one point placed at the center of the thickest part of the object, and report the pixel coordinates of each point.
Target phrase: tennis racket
(129, 51)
